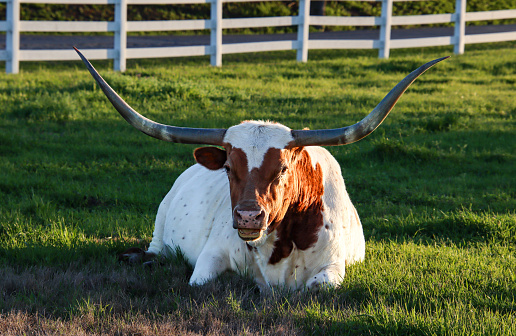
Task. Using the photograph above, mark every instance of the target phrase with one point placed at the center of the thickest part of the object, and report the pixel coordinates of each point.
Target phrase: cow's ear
(210, 157)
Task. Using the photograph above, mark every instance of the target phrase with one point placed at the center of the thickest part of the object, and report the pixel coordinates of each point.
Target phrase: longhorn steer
(271, 202)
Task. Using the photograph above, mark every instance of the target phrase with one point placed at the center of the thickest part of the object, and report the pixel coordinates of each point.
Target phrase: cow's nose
(249, 219)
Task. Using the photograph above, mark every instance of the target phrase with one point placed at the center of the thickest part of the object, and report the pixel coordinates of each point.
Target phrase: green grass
(434, 185)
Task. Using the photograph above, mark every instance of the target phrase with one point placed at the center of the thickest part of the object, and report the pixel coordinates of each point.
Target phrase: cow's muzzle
(250, 223)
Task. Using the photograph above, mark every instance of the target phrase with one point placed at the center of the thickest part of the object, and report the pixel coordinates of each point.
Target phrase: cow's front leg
(330, 276)
(209, 265)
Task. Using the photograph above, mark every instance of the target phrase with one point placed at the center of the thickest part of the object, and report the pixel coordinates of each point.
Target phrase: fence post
(385, 29)
(216, 33)
(12, 38)
(120, 45)
(303, 30)
(460, 26)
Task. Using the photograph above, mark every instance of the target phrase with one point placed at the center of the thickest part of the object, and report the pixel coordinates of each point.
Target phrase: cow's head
(263, 161)
(264, 175)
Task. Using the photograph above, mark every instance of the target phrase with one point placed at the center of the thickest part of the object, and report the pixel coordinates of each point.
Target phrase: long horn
(350, 134)
(159, 131)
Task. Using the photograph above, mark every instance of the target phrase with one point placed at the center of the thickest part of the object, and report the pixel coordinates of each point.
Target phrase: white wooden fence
(13, 26)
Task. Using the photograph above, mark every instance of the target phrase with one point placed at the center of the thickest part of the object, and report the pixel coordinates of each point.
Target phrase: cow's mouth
(249, 234)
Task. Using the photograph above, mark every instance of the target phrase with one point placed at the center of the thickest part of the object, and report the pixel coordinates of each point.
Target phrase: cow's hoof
(132, 255)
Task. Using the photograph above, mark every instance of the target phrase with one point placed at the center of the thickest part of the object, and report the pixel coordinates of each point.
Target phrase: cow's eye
(281, 173)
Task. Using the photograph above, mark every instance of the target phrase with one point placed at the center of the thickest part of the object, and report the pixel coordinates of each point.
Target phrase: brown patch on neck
(303, 219)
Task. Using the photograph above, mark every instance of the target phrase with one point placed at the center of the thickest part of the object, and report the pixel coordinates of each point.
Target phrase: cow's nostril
(260, 216)
(237, 215)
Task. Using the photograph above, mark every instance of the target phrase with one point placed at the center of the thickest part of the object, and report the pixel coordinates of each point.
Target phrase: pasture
(434, 186)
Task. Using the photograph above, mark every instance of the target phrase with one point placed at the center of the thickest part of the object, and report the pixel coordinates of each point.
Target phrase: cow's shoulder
(198, 201)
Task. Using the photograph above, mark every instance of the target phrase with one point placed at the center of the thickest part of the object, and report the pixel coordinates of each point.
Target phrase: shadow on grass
(97, 294)
(102, 292)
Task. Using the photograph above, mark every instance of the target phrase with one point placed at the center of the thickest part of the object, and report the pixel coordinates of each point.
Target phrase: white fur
(195, 216)
(256, 137)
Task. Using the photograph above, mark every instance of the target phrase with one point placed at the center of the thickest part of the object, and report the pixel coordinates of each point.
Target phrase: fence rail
(13, 26)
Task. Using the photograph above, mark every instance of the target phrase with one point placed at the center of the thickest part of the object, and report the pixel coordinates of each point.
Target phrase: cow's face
(261, 172)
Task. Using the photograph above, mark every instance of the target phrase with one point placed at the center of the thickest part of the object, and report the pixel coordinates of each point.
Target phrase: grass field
(434, 185)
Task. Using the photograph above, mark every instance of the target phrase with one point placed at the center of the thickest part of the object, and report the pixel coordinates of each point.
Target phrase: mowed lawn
(434, 185)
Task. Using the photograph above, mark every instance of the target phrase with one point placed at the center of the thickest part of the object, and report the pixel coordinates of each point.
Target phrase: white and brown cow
(271, 203)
